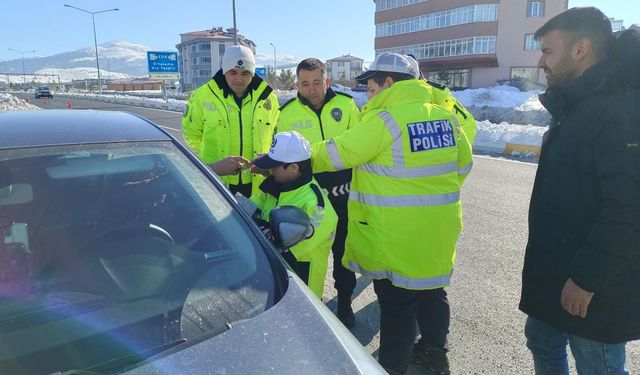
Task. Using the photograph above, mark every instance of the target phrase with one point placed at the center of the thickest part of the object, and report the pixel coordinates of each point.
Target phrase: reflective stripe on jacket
(410, 159)
(308, 196)
(215, 127)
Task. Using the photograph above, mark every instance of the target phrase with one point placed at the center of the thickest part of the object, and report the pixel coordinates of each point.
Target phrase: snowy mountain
(282, 61)
(116, 56)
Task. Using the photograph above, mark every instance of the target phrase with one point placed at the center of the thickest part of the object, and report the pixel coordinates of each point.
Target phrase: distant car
(43, 92)
(360, 87)
(123, 253)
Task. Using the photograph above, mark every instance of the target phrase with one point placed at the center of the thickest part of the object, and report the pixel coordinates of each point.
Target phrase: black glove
(265, 228)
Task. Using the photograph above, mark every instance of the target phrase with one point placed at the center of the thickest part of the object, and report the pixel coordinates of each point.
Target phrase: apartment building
(467, 43)
(344, 68)
(201, 52)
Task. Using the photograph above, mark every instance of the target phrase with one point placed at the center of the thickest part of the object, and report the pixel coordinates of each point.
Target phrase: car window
(113, 250)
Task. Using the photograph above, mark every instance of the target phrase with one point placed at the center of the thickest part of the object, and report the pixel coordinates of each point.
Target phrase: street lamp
(95, 40)
(275, 72)
(24, 78)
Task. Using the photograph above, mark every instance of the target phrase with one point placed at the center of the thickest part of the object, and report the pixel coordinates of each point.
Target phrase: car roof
(64, 127)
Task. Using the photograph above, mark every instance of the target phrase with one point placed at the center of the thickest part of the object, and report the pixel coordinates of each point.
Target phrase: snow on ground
(9, 102)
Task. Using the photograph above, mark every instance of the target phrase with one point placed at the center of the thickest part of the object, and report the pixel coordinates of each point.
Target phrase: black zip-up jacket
(584, 215)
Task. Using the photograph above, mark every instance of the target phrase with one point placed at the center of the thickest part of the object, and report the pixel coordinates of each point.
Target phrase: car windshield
(118, 251)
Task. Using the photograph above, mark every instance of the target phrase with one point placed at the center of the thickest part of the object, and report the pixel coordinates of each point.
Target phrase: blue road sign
(162, 65)
(261, 72)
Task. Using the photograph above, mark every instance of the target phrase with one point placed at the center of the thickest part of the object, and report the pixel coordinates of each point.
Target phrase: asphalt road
(486, 335)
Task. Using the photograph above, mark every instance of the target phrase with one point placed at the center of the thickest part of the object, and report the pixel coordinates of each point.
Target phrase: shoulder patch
(437, 85)
(343, 94)
(288, 102)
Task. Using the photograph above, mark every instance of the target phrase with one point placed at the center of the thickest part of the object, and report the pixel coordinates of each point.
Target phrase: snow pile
(9, 102)
(496, 136)
(504, 104)
(499, 96)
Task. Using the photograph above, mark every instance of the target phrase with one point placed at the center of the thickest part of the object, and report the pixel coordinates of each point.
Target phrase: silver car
(122, 253)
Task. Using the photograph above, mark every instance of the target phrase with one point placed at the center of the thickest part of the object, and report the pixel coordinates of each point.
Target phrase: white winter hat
(287, 147)
(238, 57)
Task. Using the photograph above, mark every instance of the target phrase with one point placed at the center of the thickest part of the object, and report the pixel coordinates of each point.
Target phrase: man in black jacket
(581, 276)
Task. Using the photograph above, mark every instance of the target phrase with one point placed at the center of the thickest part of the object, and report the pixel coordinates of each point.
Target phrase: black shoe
(433, 359)
(345, 314)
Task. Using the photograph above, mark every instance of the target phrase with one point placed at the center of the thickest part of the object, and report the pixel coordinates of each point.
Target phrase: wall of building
(484, 70)
(513, 25)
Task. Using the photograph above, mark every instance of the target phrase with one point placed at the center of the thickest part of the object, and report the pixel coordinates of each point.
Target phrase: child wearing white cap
(291, 183)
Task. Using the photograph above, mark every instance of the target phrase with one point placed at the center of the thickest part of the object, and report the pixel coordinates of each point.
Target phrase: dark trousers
(399, 310)
(344, 279)
(300, 268)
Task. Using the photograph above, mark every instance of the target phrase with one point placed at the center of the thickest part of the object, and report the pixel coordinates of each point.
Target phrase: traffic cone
(69, 104)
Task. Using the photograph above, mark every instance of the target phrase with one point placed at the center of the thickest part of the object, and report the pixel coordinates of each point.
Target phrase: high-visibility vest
(338, 114)
(410, 159)
(215, 127)
(324, 219)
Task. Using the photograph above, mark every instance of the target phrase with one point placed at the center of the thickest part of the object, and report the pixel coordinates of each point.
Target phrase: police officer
(319, 113)
(231, 119)
(409, 161)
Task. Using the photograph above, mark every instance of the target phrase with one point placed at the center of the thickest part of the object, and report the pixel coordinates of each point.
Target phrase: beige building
(344, 69)
(466, 43)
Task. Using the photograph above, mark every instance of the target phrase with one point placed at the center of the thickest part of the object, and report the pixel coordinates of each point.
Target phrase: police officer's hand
(229, 166)
(575, 299)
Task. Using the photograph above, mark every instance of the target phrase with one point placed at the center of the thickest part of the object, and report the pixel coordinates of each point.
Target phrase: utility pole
(95, 39)
(235, 27)
(275, 69)
(24, 78)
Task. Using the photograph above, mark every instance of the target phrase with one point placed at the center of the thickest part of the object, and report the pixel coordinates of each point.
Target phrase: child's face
(285, 173)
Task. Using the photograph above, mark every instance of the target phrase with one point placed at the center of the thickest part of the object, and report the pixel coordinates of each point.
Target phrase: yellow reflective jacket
(306, 194)
(410, 159)
(215, 127)
(338, 113)
(443, 96)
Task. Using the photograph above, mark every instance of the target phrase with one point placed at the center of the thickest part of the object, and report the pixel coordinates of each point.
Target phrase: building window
(193, 49)
(221, 48)
(390, 4)
(204, 72)
(451, 17)
(205, 60)
(479, 45)
(454, 78)
(204, 47)
(340, 64)
(527, 73)
(530, 43)
(535, 9)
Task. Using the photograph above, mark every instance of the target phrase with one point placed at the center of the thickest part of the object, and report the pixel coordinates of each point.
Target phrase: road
(486, 326)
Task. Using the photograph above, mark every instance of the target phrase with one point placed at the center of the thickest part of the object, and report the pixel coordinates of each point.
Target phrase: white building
(201, 54)
(344, 68)
(616, 25)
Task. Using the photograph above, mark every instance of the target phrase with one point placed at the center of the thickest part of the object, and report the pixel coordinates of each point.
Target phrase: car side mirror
(289, 226)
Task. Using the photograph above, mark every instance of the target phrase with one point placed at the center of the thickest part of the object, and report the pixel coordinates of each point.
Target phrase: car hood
(298, 335)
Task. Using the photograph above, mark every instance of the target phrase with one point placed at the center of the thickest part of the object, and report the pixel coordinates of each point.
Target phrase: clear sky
(324, 28)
